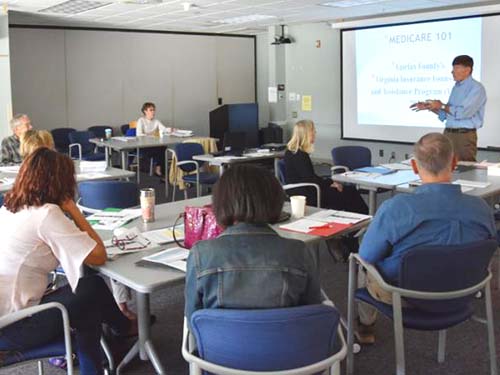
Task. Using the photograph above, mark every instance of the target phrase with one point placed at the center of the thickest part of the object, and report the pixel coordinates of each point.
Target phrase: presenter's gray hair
(434, 153)
(17, 120)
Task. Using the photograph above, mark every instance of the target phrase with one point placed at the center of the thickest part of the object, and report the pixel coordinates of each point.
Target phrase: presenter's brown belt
(460, 130)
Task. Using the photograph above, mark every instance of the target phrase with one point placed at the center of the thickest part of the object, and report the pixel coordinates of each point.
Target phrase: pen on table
(324, 226)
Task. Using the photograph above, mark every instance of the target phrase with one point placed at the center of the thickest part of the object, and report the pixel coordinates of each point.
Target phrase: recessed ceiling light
(350, 3)
(244, 19)
(74, 7)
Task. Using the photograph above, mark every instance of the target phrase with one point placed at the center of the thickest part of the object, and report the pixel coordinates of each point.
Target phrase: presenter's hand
(419, 106)
(434, 105)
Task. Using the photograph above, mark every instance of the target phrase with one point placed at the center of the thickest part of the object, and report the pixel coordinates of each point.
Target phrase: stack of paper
(92, 166)
(182, 133)
(7, 180)
(124, 139)
(325, 223)
(174, 257)
(110, 220)
(165, 235)
(10, 168)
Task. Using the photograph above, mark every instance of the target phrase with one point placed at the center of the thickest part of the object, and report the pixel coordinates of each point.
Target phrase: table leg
(146, 349)
(276, 172)
(138, 166)
(372, 202)
(124, 159)
(106, 155)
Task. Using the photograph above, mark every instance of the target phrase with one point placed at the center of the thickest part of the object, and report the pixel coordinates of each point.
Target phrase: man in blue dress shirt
(436, 214)
(464, 112)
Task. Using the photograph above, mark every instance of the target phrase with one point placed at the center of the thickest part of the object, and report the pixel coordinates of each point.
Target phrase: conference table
(390, 182)
(145, 280)
(6, 177)
(125, 144)
(224, 162)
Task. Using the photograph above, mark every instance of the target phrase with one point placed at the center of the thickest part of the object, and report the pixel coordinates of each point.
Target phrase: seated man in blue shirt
(436, 214)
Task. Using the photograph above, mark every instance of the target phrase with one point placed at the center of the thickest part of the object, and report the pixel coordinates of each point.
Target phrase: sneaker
(365, 334)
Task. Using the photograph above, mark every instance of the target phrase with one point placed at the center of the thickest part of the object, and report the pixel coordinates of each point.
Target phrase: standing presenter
(464, 112)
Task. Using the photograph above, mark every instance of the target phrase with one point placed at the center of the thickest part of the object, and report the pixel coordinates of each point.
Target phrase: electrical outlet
(381, 153)
(393, 155)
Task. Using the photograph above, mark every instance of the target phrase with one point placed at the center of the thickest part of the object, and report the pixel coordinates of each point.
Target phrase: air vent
(73, 7)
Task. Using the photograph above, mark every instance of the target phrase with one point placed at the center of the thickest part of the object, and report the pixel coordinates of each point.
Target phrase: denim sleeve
(376, 244)
(470, 105)
(192, 295)
(312, 294)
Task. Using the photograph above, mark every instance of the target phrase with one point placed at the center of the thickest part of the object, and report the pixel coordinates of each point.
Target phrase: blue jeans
(91, 305)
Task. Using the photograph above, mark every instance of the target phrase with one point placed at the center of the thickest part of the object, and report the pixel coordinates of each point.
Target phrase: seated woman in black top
(299, 168)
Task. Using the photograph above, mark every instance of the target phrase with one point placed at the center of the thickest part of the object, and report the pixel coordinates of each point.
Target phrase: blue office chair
(98, 195)
(439, 283)
(131, 132)
(61, 138)
(61, 347)
(86, 149)
(184, 153)
(351, 157)
(124, 128)
(1, 200)
(100, 130)
(288, 187)
(293, 341)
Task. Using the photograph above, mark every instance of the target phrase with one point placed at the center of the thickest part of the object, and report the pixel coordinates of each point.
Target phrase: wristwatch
(443, 107)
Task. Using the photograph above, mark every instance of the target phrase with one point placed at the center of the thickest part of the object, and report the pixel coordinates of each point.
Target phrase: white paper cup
(298, 203)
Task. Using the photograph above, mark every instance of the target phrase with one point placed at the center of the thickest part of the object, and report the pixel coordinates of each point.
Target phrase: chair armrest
(306, 184)
(339, 168)
(370, 269)
(185, 162)
(79, 149)
(29, 311)
(84, 209)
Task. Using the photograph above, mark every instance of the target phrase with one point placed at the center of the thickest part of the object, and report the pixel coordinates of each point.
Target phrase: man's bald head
(434, 153)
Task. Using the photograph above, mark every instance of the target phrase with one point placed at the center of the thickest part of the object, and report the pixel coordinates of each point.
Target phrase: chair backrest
(282, 171)
(61, 139)
(108, 194)
(100, 130)
(1, 200)
(124, 128)
(352, 157)
(445, 269)
(186, 151)
(131, 132)
(82, 137)
(266, 340)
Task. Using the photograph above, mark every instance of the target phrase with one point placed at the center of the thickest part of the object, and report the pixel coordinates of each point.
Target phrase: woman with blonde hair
(299, 168)
(33, 139)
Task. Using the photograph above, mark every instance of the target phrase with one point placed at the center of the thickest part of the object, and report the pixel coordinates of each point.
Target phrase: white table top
(148, 279)
(473, 175)
(140, 142)
(108, 174)
(222, 160)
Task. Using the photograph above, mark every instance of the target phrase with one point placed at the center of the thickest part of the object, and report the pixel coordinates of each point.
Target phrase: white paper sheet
(165, 235)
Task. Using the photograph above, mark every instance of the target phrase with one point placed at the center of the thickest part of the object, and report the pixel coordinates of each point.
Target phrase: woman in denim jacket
(249, 266)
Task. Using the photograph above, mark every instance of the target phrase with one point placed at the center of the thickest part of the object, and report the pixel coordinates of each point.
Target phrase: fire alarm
(318, 43)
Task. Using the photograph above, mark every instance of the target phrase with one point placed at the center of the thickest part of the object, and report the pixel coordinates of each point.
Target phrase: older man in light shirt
(19, 125)
(464, 112)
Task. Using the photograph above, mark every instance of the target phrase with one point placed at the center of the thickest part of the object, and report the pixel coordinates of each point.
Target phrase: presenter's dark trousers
(464, 143)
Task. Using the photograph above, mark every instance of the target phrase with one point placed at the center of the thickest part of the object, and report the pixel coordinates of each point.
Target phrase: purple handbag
(199, 224)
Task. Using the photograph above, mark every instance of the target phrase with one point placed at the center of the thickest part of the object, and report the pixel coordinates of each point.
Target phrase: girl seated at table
(249, 266)
(42, 228)
(149, 125)
(299, 168)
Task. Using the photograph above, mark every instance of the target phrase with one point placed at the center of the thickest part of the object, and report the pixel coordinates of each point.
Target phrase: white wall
(5, 88)
(80, 78)
(316, 72)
